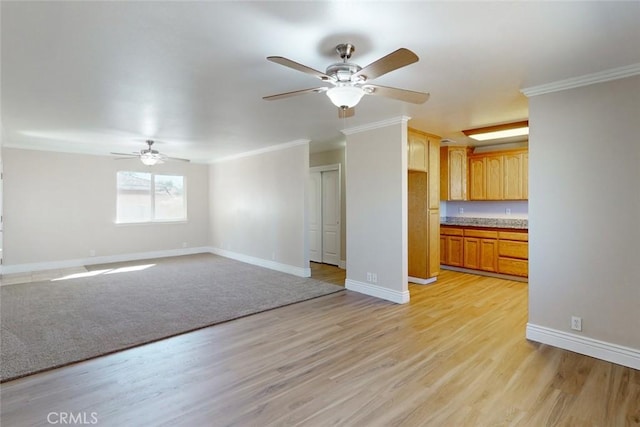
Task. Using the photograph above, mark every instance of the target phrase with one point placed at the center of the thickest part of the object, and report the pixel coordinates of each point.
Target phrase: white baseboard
(260, 262)
(79, 262)
(420, 281)
(614, 353)
(377, 291)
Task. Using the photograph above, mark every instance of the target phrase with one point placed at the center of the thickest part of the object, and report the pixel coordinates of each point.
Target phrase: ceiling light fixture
(150, 159)
(346, 96)
(499, 131)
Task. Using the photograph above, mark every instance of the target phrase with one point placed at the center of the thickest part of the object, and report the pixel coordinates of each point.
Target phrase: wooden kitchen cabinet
(417, 146)
(494, 176)
(477, 180)
(502, 251)
(525, 176)
(513, 253)
(453, 173)
(513, 176)
(499, 175)
(480, 249)
(471, 253)
(433, 267)
(433, 163)
(451, 245)
(423, 188)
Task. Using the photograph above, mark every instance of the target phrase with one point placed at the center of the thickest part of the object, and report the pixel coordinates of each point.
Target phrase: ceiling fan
(149, 156)
(351, 82)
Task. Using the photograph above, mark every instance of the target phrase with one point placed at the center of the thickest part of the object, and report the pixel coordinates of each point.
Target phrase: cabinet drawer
(483, 234)
(449, 231)
(522, 236)
(516, 267)
(511, 249)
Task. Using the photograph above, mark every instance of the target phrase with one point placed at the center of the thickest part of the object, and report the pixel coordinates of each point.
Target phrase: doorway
(324, 214)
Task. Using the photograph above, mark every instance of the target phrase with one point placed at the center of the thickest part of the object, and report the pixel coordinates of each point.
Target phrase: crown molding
(268, 149)
(377, 125)
(585, 80)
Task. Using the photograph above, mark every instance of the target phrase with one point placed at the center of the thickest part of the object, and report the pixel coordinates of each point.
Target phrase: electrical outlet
(184, 244)
(374, 277)
(576, 323)
(507, 211)
(92, 252)
(460, 210)
(369, 279)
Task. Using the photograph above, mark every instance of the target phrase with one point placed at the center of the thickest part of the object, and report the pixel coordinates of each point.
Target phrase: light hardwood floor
(454, 356)
(328, 273)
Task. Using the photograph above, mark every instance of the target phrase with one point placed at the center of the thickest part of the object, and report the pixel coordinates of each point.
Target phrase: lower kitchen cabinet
(491, 250)
(513, 253)
(451, 246)
(480, 249)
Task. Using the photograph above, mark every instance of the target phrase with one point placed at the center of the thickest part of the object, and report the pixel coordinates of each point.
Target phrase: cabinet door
(477, 187)
(417, 152)
(457, 173)
(443, 250)
(454, 251)
(512, 164)
(525, 176)
(494, 177)
(472, 253)
(433, 264)
(434, 173)
(417, 223)
(488, 255)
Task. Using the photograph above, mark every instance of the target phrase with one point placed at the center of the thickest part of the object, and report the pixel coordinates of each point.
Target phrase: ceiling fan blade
(294, 93)
(177, 159)
(398, 59)
(126, 154)
(343, 113)
(395, 93)
(299, 67)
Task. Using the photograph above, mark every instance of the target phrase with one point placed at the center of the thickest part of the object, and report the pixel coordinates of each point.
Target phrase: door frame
(328, 168)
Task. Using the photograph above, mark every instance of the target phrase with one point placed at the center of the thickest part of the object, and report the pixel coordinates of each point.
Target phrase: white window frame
(152, 190)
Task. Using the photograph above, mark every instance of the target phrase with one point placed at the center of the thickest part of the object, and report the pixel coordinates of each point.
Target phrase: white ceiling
(95, 77)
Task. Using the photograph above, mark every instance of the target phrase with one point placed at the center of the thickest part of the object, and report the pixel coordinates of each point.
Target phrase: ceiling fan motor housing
(343, 72)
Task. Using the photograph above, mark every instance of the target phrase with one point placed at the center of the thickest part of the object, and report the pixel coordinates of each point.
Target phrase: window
(147, 197)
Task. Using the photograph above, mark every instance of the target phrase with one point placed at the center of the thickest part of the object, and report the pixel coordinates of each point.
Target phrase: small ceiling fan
(149, 156)
(351, 82)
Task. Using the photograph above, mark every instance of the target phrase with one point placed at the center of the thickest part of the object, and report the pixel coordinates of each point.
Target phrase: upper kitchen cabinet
(495, 177)
(499, 175)
(453, 173)
(513, 176)
(418, 148)
(477, 178)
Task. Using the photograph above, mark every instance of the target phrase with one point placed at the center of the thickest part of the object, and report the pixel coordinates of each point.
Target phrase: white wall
(584, 219)
(257, 208)
(486, 209)
(58, 207)
(376, 187)
(330, 158)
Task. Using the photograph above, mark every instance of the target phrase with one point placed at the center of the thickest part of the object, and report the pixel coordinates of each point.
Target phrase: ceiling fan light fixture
(345, 96)
(150, 159)
(508, 130)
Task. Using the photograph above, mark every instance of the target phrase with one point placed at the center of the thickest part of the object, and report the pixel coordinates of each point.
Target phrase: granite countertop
(522, 224)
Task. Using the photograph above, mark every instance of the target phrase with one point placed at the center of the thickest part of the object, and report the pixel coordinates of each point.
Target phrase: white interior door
(315, 216)
(331, 217)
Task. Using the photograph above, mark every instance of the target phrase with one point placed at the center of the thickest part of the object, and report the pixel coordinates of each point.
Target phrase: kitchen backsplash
(486, 209)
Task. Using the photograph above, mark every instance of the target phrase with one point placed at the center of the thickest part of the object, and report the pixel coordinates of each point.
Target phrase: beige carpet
(44, 325)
